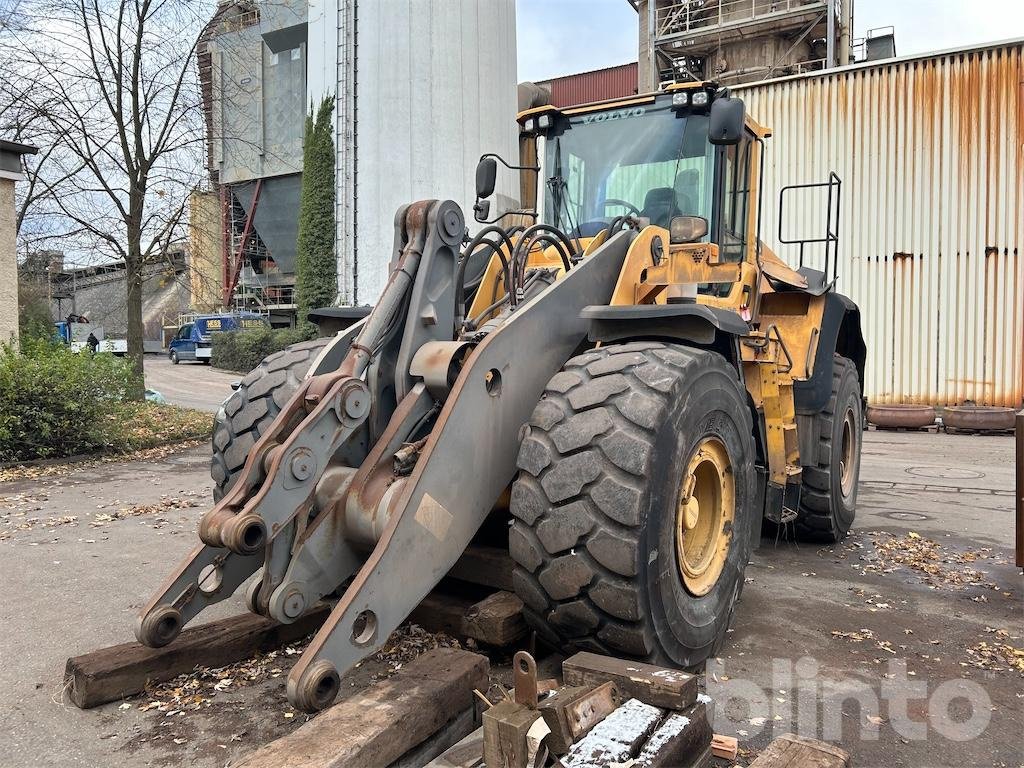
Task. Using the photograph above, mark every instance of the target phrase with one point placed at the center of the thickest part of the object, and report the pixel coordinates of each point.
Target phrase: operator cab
(649, 160)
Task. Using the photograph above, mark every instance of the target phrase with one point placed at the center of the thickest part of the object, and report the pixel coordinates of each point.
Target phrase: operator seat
(687, 186)
(660, 206)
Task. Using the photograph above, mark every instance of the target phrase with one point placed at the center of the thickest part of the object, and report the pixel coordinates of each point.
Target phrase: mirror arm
(500, 159)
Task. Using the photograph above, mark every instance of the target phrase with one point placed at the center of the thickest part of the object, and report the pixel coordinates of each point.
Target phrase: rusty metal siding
(931, 154)
(601, 84)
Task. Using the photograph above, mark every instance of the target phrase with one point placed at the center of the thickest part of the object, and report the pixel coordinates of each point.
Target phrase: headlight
(544, 122)
(687, 229)
(700, 98)
(530, 125)
(680, 99)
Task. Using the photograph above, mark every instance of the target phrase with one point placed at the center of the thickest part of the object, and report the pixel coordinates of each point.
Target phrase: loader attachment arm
(388, 458)
(467, 461)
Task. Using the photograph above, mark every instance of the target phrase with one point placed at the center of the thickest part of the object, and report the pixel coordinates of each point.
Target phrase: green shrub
(241, 351)
(54, 402)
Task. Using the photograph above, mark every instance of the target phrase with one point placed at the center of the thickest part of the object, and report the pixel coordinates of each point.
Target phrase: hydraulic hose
(533, 233)
(460, 277)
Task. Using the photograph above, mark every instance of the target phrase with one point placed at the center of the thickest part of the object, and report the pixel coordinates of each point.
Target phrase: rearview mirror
(481, 210)
(486, 172)
(725, 124)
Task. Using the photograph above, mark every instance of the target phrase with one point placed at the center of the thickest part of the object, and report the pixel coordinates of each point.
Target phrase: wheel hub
(704, 516)
(848, 453)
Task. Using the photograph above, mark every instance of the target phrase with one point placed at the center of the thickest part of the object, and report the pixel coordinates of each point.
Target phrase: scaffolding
(733, 41)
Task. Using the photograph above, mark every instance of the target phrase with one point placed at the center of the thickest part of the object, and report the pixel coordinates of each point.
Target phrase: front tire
(252, 407)
(174, 357)
(828, 499)
(604, 511)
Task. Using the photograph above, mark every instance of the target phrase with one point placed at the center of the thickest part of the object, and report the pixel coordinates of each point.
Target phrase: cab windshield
(648, 160)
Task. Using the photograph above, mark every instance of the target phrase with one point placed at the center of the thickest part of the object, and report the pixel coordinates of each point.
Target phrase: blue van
(193, 340)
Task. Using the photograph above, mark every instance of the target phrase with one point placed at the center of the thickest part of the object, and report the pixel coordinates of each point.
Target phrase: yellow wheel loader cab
(620, 365)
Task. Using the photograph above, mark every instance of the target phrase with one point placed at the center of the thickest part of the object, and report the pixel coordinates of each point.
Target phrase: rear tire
(244, 417)
(596, 504)
(828, 499)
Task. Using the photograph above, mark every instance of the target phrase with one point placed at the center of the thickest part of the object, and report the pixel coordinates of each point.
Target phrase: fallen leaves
(199, 689)
(165, 504)
(854, 637)
(938, 566)
(17, 523)
(997, 657)
(18, 520)
(61, 468)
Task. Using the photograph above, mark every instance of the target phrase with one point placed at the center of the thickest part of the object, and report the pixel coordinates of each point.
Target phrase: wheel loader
(619, 379)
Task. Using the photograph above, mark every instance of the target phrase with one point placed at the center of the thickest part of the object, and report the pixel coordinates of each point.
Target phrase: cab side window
(185, 331)
(735, 200)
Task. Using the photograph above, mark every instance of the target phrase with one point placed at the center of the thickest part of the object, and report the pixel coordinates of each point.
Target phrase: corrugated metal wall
(931, 154)
(601, 84)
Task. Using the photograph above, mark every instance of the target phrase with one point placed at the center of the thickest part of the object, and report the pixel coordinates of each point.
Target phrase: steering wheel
(591, 228)
(632, 208)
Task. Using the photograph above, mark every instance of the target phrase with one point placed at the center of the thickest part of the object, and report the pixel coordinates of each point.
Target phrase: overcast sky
(560, 37)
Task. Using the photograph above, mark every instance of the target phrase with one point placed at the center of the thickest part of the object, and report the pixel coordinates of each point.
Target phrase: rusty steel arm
(271, 502)
(468, 459)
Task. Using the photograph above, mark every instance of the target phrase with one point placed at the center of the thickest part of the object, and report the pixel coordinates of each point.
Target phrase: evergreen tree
(316, 266)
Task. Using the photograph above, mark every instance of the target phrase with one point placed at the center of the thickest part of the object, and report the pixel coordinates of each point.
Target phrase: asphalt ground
(189, 384)
(886, 643)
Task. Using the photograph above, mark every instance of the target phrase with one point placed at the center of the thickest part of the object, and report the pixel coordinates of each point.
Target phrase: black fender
(840, 332)
(330, 320)
(691, 322)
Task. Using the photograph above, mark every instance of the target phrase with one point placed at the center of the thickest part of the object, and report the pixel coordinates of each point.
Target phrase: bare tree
(112, 85)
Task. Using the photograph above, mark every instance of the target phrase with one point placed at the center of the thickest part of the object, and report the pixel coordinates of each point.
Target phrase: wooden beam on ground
(112, 673)
(496, 620)
(387, 720)
(505, 727)
(123, 670)
(617, 738)
(465, 754)
(572, 711)
(791, 751)
(657, 686)
(488, 566)
(450, 733)
(683, 740)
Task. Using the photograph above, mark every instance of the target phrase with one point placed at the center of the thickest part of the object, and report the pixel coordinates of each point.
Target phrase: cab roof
(627, 101)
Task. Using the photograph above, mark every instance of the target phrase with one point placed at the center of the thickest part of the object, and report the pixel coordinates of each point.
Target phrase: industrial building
(414, 111)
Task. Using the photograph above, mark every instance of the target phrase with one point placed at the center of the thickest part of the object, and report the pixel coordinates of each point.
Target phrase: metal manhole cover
(915, 516)
(946, 473)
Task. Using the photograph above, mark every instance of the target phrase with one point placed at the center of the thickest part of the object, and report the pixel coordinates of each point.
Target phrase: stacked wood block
(661, 722)
(608, 712)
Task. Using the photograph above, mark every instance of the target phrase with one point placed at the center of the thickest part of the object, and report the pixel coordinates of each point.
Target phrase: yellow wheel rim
(704, 516)
(848, 453)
